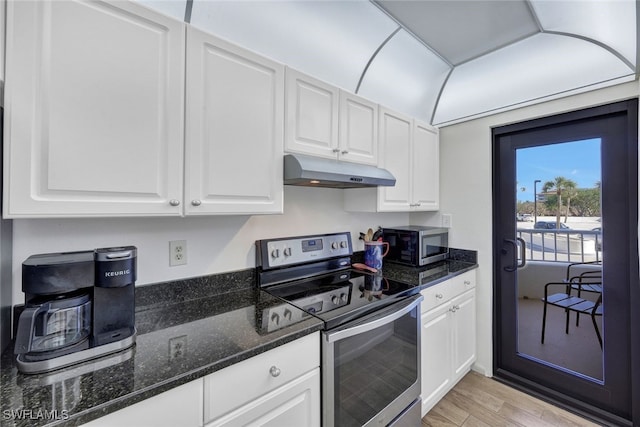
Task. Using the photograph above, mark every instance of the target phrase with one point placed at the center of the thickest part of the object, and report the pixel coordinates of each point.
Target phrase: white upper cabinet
(358, 139)
(234, 129)
(396, 135)
(93, 110)
(425, 167)
(312, 116)
(409, 149)
(324, 121)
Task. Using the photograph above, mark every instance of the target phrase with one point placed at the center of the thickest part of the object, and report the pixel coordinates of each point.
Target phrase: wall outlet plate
(177, 347)
(446, 220)
(177, 252)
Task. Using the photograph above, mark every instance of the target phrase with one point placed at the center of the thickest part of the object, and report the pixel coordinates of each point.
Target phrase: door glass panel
(558, 217)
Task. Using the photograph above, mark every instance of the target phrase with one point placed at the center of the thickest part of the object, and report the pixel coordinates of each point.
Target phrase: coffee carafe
(78, 306)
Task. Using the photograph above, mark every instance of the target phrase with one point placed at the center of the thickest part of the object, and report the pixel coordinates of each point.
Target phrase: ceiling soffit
(442, 61)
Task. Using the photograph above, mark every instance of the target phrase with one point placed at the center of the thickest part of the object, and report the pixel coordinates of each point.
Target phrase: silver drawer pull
(174, 202)
(467, 282)
(196, 202)
(274, 371)
(439, 296)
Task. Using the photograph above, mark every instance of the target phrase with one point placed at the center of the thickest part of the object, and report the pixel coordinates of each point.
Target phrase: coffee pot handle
(26, 323)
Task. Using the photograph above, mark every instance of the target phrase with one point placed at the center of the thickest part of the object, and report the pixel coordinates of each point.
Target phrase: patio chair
(588, 281)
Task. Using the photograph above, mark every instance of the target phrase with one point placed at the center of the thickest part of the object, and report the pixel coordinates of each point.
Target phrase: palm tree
(560, 185)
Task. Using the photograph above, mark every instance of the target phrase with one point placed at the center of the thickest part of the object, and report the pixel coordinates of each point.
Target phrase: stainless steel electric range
(371, 336)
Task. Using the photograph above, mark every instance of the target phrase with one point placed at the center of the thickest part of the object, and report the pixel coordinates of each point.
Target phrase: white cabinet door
(297, 403)
(180, 406)
(448, 336)
(93, 110)
(436, 356)
(464, 333)
(395, 153)
(312, 116)
(234, 129)
(358, 129)
(425, 192)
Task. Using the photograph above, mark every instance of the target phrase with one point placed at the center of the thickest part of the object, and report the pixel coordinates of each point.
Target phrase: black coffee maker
(78, 306)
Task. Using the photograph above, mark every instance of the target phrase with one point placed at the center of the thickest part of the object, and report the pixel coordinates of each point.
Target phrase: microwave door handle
(382, 318)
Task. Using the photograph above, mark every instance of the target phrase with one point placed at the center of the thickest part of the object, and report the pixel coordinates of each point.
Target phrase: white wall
(465, 190)
(215, 244)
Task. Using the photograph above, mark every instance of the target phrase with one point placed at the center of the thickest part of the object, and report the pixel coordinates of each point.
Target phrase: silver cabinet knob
(336, 150)
(439, 296)
(274, 371)
(467, 282)
(344, 152)
(174, 202)
(196, 202)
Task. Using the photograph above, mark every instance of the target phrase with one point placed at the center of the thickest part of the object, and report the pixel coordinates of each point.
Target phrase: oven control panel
(283, 252)
(280, 316)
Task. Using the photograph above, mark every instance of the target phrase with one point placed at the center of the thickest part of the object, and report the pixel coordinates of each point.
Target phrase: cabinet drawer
(443, 292)
(243, 382)
(180, 406)
(436, 295)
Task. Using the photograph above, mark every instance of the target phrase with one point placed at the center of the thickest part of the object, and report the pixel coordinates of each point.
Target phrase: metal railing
(561, 245)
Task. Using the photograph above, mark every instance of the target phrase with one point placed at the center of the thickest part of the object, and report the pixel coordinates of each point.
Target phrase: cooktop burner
(313, 273)
(341, 296)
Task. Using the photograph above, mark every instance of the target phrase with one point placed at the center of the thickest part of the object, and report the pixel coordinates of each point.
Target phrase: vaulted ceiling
(442, 61)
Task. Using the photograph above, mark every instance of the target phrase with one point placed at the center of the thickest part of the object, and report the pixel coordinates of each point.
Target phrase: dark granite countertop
(216, 319)
(428, 275)
(215, 329)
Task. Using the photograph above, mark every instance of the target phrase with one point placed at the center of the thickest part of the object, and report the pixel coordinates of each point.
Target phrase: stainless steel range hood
(320, 172)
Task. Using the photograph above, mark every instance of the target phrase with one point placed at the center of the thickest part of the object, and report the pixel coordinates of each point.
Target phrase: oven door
(371, 367)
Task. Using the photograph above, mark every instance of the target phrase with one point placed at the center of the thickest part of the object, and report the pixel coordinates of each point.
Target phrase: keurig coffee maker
(78, 306)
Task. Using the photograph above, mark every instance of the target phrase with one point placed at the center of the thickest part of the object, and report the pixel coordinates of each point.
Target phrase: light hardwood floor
(478, 401)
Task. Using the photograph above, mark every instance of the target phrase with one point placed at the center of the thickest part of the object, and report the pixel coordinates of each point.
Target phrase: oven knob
(275, 318)
(343, 244)
(275, 253)
(287, 251)
(334, 245)
(287, 314)
(335, 300)
(344, 297)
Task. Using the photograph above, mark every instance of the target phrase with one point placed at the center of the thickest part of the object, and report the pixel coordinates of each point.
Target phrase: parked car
(524, 217)
(550, 225)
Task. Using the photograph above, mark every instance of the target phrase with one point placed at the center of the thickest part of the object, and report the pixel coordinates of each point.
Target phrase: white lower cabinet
(277, 388)
(448, 336)
(280, 387)
(180, 406)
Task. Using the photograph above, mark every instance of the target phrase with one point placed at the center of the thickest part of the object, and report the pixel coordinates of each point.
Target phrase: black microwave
(416, 245)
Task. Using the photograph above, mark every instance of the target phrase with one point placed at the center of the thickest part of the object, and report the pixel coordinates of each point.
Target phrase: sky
(578, 161)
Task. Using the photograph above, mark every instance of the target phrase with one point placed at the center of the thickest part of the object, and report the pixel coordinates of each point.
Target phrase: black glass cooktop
(342, 296)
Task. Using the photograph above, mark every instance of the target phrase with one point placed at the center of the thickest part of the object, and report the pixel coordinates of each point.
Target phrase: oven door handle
(383, 317)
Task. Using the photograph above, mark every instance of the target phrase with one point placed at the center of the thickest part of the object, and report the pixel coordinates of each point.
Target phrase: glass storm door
(561, 184)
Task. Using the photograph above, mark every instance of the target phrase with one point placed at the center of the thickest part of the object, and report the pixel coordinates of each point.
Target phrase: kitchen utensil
(377, 234)
(360, 266)
(369, 235)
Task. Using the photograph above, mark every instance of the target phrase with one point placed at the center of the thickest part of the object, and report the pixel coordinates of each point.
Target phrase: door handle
(523, 247)
(516, 264)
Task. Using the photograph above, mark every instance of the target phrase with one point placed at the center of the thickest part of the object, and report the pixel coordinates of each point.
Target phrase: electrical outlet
(177, 252)
(446, 220)
(177, 347)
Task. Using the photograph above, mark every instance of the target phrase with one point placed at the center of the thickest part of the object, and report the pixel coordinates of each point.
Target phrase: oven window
(374, 368)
